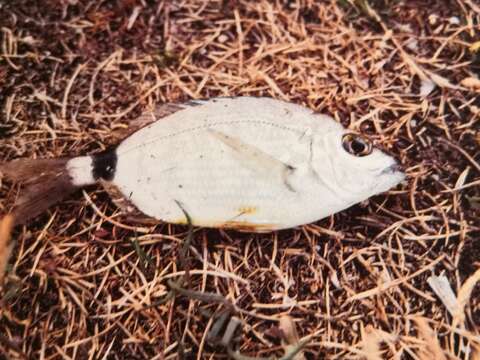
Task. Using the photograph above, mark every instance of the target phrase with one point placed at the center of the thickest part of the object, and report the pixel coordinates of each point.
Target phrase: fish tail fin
(45, 182)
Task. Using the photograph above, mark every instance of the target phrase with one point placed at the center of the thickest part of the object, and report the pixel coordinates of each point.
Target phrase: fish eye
(356, 145)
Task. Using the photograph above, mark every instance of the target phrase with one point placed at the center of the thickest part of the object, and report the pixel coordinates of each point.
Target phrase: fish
(253, 164)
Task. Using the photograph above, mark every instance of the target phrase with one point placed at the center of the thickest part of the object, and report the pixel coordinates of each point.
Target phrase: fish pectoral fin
(252, 157)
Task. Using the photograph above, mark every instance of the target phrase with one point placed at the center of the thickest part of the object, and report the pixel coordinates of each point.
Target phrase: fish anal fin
(120, 201)
(249, 227)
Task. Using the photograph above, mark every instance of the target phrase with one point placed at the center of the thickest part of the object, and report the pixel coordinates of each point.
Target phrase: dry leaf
(6, 246)
(471, 83)
(371, 344)
(287, 325)
(426, 87)
(432, 350)
(475, 46)
(291, 338)
(441, 81)
(461, 179)
(442, 288)
(372, 340)
(464, 296)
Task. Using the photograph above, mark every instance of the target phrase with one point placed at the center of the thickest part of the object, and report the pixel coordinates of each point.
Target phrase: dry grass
(84, 283)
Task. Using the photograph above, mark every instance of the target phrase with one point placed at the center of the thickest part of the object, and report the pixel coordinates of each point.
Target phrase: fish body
(249, 163)
(245, 162)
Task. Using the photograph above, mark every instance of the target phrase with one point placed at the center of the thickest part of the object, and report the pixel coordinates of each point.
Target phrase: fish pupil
(358, 146)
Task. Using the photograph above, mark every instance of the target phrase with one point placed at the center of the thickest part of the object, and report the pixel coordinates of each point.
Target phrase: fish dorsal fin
(148, 117)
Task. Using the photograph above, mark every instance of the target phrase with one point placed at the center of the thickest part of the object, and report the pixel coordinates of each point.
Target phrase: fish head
(357, 169)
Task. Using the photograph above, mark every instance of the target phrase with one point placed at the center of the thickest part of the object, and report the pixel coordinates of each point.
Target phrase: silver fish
(249, 163)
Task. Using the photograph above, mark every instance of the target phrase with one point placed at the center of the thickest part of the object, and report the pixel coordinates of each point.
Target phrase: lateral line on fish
(209, 126)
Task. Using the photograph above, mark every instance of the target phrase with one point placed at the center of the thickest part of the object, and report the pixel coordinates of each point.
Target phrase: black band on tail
(105, 165)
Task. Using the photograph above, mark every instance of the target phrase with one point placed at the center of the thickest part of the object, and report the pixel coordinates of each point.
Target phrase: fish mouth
(390, 177)
(392, 169)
